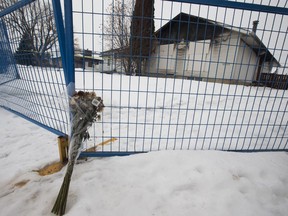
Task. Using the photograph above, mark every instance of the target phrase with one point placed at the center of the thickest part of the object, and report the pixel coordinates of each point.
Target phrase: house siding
(222, 57)
(267, 67)
(180, 59)
(246, 64)
(109, 64)
(163, 60)
(196, 48)
(226, 58)
(201, 59)
(197, 59)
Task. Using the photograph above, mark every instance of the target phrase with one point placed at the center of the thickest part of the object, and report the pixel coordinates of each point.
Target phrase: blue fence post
(66, 42)
(60, 31)
(70, 73)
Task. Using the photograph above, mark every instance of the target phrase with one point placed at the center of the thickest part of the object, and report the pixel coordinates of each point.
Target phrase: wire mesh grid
(37, 89)
(172, 75)
(187, 76)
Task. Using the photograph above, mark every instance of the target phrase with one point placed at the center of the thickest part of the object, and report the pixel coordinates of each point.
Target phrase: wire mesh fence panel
(32, 82)
(8, 70)
(177, 75)
(172, 74)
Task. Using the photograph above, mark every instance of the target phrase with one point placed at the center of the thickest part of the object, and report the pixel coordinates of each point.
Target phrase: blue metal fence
(192, 75)
(30, 83)
(8, 71)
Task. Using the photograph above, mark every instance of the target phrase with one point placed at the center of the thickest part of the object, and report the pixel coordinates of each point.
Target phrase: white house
(82, 59)
(196, 48)
(115, 60)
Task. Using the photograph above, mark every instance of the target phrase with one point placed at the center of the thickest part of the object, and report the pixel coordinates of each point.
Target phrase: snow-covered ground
(148, 113)
(160, 183)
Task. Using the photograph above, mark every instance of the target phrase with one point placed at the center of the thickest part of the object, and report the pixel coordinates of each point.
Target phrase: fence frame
(15, 6)
(238, 5)
(66, 41)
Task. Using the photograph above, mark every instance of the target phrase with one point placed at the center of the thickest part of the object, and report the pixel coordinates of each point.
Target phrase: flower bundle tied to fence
(84, 109)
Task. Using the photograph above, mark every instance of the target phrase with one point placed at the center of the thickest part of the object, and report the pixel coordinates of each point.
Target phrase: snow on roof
(89, 57)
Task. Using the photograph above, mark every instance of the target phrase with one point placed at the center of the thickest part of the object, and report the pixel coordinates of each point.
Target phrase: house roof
(253, 41)
(78, 56)
(116, 52)
(194, 28)
(190, 28)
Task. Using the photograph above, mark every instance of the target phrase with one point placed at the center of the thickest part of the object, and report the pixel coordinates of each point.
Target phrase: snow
(148, 113)
(160, 183)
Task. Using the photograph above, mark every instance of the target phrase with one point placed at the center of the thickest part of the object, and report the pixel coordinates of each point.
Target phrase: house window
(108, 63)
(90, 64)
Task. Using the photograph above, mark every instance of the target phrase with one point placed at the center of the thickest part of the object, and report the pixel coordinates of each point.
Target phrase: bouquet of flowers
(84, 109)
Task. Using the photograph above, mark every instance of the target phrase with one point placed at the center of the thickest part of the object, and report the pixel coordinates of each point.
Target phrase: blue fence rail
(172, 74)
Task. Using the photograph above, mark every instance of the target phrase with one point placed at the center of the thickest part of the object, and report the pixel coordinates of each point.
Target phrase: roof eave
(261, 47)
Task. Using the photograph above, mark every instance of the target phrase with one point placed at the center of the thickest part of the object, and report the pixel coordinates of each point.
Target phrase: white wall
(229, 58)
(180, 60)
(196, 59)
(268, 67)
(246, 64)
(163, 60)
(221, 58)
(107, 66)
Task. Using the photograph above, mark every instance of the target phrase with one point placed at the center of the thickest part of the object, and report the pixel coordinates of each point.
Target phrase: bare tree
(35, 26)
(117, 31)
